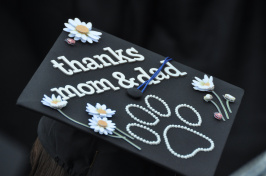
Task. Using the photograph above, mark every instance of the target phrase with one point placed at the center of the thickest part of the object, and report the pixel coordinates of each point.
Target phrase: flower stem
(228, 106)
(124, 133)
(219, 110)
(123, 137)
(117, 134)
(221, 104)
(72, 119)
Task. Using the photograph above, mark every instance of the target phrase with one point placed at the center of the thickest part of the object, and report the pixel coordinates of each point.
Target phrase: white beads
(158, 138)
(168, 114)
(192, 131)
(155, 111)
(144, 109)
(194, 110)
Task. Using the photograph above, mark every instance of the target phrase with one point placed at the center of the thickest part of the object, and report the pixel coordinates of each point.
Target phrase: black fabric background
(223, 38)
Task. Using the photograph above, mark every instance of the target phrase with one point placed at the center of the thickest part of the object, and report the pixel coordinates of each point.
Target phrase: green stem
(117, 134)
(218, 109)
(124, 133)
(228, 106)
(221, 104)
(82, 124)
(123, 137)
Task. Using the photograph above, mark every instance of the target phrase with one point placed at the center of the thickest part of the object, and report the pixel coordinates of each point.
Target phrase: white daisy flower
(205, 84)
(54, 102)
(229, 97)
(208, 97)
(81, 31)
(99, 110)
(102, 125)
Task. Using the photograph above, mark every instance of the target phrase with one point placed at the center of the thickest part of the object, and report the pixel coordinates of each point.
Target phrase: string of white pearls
(158, 138)
(183, 120)
(144, 109)
(192, 131)
(168, 114)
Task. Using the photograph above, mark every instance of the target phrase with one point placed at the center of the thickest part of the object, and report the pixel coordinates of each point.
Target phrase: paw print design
(154, 113)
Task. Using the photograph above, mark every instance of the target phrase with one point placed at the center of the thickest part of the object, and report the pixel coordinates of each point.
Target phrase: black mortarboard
(101, 78)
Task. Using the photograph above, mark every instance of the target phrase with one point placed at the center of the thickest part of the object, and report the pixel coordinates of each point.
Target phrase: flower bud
(208, 97)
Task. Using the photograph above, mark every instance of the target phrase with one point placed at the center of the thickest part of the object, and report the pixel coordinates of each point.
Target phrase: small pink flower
(70, 41)
(218, 115)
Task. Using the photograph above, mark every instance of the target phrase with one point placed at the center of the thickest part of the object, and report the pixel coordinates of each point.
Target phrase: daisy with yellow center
(98, 123)
(102, 125)
(206, 84)
(82, 31)
(54, 102)
(99, 110)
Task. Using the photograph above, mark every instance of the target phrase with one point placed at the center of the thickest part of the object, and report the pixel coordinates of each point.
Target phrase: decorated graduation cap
(147, 104)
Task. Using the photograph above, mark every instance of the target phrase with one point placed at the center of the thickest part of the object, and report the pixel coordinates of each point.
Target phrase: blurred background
(224, 38)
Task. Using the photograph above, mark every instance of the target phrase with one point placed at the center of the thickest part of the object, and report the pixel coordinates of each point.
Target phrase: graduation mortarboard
(117, 91)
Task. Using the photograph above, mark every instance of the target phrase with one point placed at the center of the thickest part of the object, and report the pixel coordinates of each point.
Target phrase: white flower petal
(89, 106)
(206, 77)
(69, 26)
(98, 106)
(45, 103)
(103, 115)
(211, 79)
(84, 24)
(89, 25)
(93, 36)
(71, 35)
(89, 40)
(48, 98)
(101, 130)
(97, 128)
(198, 79)
(74, 32)
(77, 38)
(84, 37)
(95, 33)
(94, 40)
(194, 84)
(72, 22)
(110, 128)
(92, 126)
(67, 29)
(194, 81)
(104, 107)
(78, 22)
(59, 98)
(78, 35)
(83, 41)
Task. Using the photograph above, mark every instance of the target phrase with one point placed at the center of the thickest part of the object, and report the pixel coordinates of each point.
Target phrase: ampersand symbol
(121, 80)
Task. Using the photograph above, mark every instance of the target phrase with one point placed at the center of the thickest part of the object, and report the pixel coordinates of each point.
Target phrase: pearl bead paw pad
(144, 109)
(168, 114)
(158, 138)
(192, 154)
